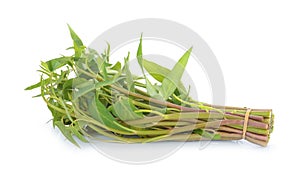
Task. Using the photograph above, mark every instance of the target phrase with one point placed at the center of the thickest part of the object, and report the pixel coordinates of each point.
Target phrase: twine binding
(246, 122)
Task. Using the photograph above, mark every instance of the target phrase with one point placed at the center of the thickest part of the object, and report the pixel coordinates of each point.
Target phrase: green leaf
(66, 132)
(78, 45)
(44, 66)
(74, 82)
(116, 67)
(61, 77)
(173, 78)
(75, 37)
(46, 81)
(75, 130)
(139, 54)
(107, 52)
(99, 61)
(38, 95)
(89, 86)
(99, 112)
(124, 109)
(56, 114)
(83, 88)
(57, 63)
(150, 88)
(89, 60)
(159, 72)
(104, 70)
(129, 78)
(69, 85)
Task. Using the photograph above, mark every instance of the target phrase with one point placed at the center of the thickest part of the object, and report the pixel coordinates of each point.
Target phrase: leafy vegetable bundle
(90, 98)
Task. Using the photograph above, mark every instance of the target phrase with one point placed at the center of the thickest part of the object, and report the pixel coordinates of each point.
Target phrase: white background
(256, 42)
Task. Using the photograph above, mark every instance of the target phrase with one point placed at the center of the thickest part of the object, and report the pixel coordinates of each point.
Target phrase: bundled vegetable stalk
(90, 98)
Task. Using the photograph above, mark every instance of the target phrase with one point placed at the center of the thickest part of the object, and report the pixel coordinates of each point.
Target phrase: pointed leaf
(139, 54)
(75, 37)
(99, 112)
(159, 72)
(46, 81)
(117, 66)
(129, 78)
(83, 88)
(74, 130)
(89, 86)
(124, 109)
(66, 132)
(104, 70)
(57, 63)
(150, 88)
(107, 52)
(78, 45)
(173, 78)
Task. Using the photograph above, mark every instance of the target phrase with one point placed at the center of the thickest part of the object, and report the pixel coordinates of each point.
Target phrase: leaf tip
(140, 51)
(70, 28)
